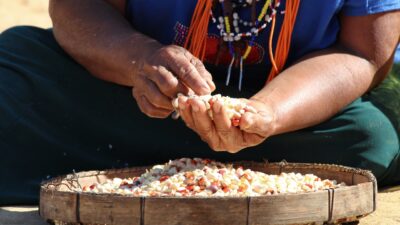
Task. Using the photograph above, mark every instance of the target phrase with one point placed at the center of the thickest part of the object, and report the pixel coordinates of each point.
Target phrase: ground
(34, 12)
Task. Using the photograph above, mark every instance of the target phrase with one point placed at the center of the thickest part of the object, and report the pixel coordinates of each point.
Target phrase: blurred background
(24, 12)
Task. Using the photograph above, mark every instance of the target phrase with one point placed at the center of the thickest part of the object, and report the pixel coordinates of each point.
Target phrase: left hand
(219, 133)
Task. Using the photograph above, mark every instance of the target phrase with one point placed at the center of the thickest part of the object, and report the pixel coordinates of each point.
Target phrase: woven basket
(59, 205)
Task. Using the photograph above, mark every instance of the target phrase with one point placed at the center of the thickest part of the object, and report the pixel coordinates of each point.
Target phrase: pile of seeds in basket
(203, 177)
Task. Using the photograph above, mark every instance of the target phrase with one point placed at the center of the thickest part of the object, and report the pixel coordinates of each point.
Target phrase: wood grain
(58, 203)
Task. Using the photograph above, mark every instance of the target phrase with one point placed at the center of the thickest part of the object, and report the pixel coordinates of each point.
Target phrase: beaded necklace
(196, 41)
(230, 30)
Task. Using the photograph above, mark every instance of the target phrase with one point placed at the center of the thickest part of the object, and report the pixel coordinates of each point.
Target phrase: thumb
(256, 123)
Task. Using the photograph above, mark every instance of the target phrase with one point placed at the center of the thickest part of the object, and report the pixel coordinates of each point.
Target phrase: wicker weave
(62, 188)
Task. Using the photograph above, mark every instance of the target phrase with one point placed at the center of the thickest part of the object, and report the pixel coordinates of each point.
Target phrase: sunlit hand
(170, 70)
(219, 133)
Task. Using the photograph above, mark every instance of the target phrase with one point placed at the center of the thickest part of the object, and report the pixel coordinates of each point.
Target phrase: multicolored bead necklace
(232, 37)
(230, 30)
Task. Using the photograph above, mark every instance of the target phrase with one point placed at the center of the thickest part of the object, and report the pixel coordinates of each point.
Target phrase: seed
(163, 178)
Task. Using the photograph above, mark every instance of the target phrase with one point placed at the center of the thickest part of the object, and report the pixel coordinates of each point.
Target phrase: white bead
(248, 34)
(237, 38)
(245, 23)
(225, 38)
(235, 23)
(221, 19)
(235, 15)
(237, 30)
(230, 38)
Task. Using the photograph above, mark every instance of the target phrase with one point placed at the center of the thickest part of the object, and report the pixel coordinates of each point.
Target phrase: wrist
(141, 48)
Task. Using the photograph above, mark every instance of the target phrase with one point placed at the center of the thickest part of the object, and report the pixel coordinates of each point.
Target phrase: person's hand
(220, 133)
(170, 70)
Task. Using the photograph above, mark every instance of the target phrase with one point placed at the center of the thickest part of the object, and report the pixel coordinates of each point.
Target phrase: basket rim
(51, 187)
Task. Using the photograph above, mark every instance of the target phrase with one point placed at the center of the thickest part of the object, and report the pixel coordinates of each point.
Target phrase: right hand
(165, 73)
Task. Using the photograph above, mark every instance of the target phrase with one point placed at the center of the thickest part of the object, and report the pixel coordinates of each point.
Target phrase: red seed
(216, 183)
(201, 182)
(235, 122)
(163, 178)
(92, 186)
(242, 188)
(190, 187)
(182, 191)
(247, 177)
(206, 161)
(211, 102)
(310, 186)
(221, 171)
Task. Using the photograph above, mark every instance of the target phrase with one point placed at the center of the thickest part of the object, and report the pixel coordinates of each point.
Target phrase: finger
(185, 111)
(149, 109)
(154, 95)
(203, 124)
(165, 80)
(188, 74)
(202, 70)
(221, 120)
(229, 135)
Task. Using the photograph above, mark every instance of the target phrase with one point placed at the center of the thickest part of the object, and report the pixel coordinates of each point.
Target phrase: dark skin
(110, 50)
(307, 93)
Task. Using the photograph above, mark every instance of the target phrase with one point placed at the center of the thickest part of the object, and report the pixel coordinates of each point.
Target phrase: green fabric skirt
(55, 117)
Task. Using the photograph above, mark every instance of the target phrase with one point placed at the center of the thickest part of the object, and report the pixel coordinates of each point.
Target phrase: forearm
(316, 88)
(324, 82)
(97, 36)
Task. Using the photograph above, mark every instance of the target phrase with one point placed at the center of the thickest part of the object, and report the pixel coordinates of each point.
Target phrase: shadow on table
(26, 215)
